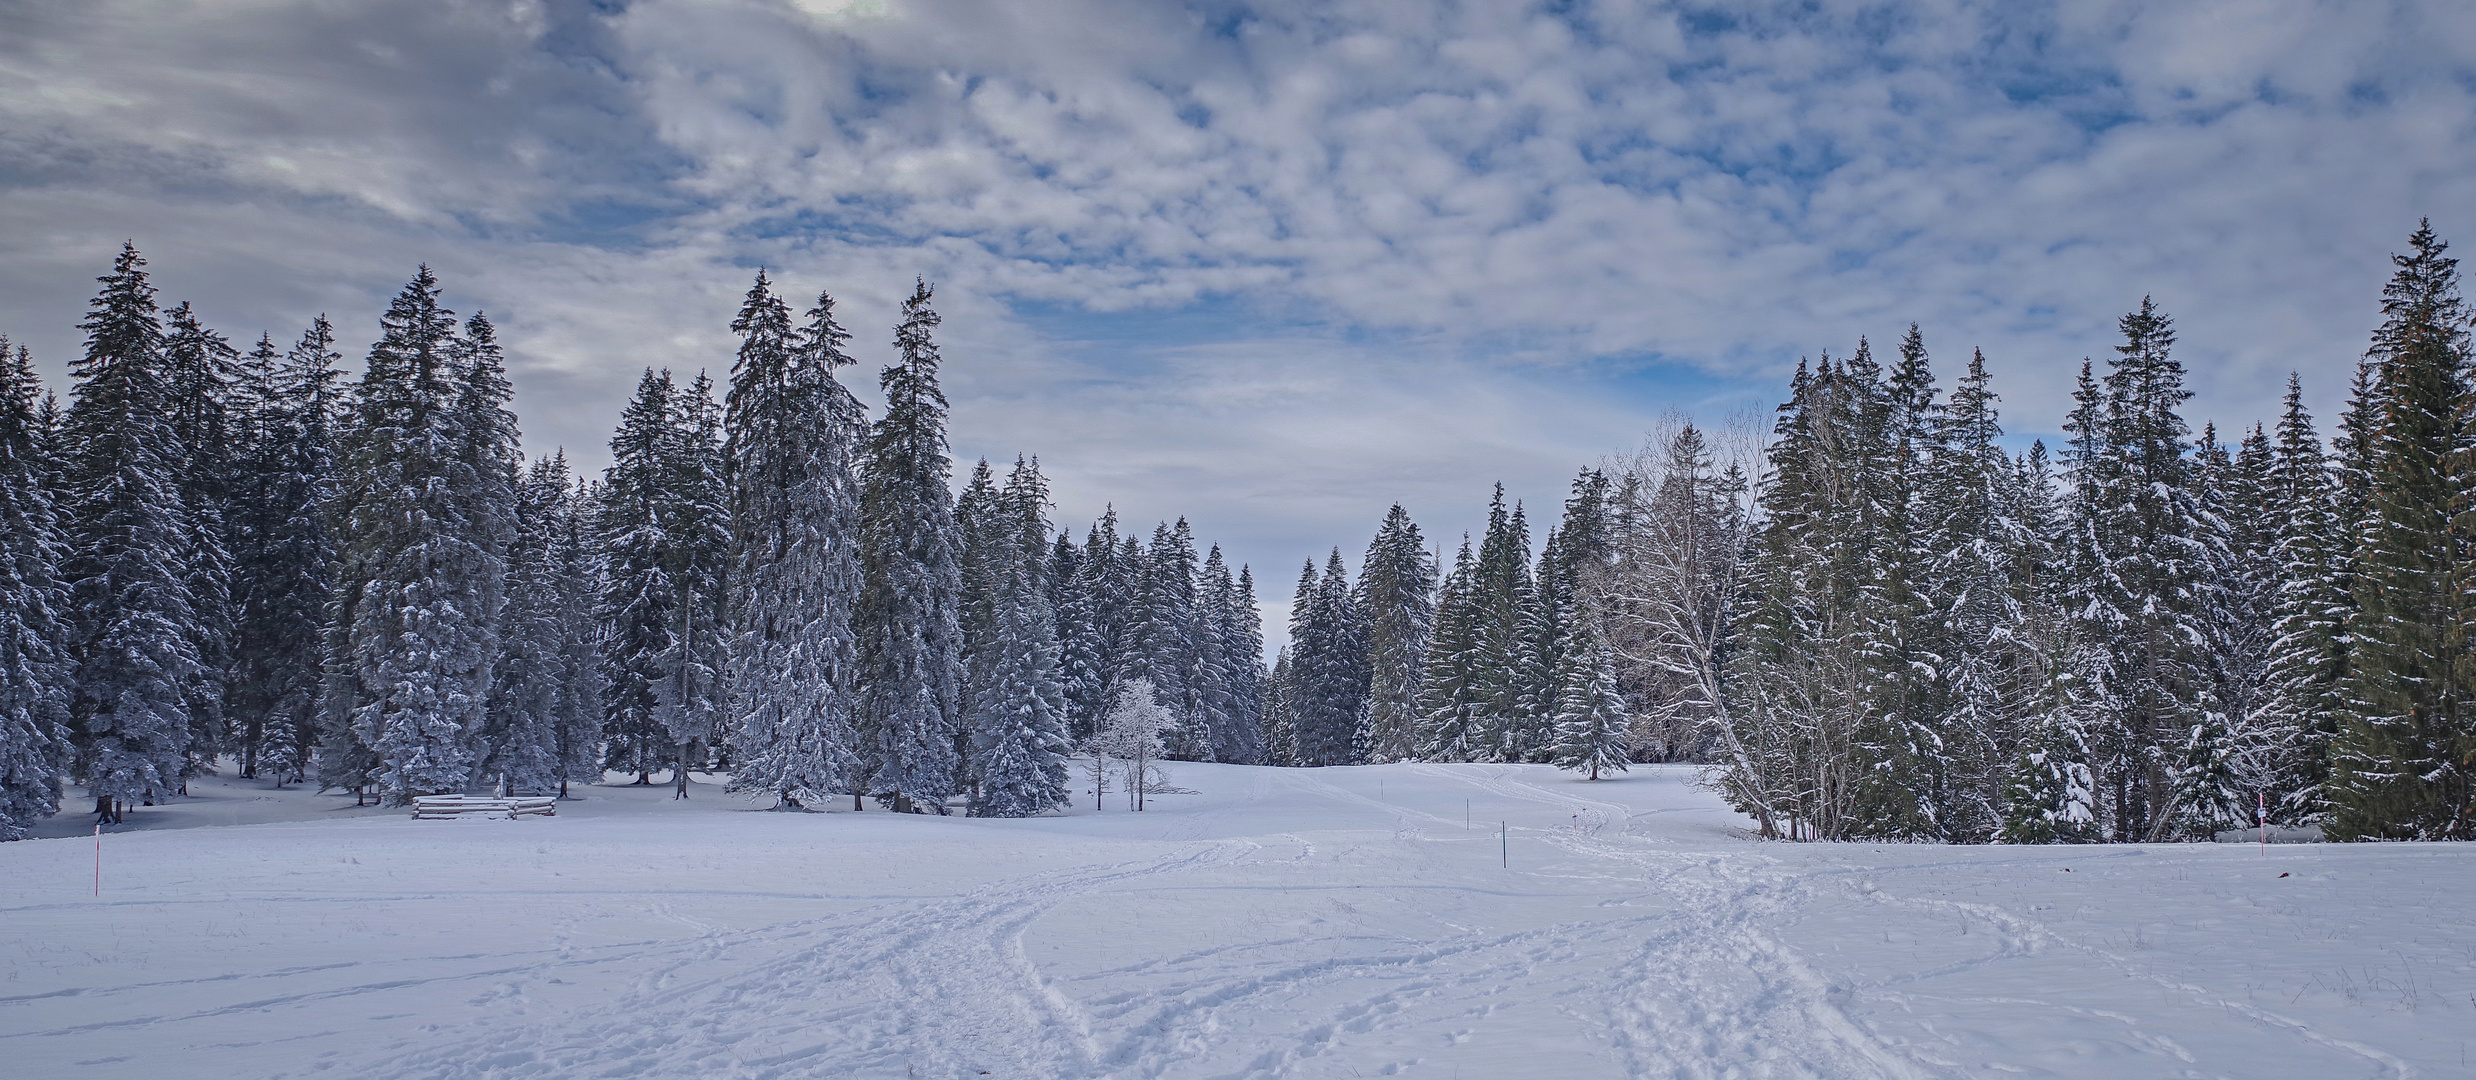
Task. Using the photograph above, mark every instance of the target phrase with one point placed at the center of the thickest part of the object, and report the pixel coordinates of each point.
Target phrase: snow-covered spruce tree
(1908, 786)
(1280, 732)
(1452, 709)
(1802, 679)
(1162, 646)
(202, 371)
(129, 533)
(423, 507)
(34, 668)
(1547, 640)
(984, 553)
(1986, 613)
(689, 701)
(1242, 639)
(1088, 607)
(792, 439)
(1232, 663)
(1397, 599)
(911, 645)
(283, 554)
(639, 606)
(2401, 765)
(2138, 558)
(523, 750)
(1592, 731)
(1501, 587)
(574, 654)
(2301, 698)
(1328, 670)
(1018, 721)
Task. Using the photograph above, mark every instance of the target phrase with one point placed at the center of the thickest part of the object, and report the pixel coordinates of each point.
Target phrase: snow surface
(1295, 923)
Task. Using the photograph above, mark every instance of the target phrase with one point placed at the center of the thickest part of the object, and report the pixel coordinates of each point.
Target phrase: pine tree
(1397, 598)
(911, 643)
(2400, 766)
(2140, 558)
(1162, 639)
(1247, 742)
(1501, 587)
(1452, 703)
(573, 562)
(201, 370)
(1018, 719)
(2302, 697)
(1328, 669)
(422, 528)
(792, 442)
(283, 553)
(34, 670)
(1592, 731)
(129, 535)
(523, 749)
(640, 612)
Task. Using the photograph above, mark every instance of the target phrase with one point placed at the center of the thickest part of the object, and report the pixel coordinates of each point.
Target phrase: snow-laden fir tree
(2301, 697)
(1592, 730)
(2139, 557)
(1501, 652)
(1328, 669)
(984, 553)
(1280, 733)
(2403, 765)
(523, 752)
(574, 563)
(1018, 721)
(792, 441)
(1397, 600)
(1233, 644)
(283, 554)
(34, 670)
(1452, 703)
(689, 701)
(641, 613)
(202, 370)
(137, 667)
(1089, 587)
(911, 645)
(423, 511)
(1162, 642)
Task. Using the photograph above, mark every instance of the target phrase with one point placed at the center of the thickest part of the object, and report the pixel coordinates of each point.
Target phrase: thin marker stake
(1504, 835)
(98, 861)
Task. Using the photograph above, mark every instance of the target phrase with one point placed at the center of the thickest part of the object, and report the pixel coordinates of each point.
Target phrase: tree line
(212, 553)
(1878, 622)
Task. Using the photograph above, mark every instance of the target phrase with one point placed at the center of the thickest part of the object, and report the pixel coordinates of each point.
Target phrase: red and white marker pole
(2261, 813)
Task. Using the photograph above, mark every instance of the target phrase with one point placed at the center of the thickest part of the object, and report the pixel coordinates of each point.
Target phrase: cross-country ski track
(1348, 922)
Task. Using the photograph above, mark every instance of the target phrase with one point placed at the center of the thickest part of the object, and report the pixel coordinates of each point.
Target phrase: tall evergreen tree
(283, 553)
(911, 643)
(1397, 599)
(423, 519)
(34, 670)
(2302, 698)
(792, 443)
(129, 536)
(1591, 726)
(2140, 557)
(1162, 640)
(1018, 718)
(1501, 587)
(2401, 764)
(640, 611)
(1452, 703)
(1328, 669)
(203, 371)
(522, 748)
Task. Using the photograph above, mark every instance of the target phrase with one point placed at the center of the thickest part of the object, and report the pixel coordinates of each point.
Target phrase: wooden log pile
(446, 807)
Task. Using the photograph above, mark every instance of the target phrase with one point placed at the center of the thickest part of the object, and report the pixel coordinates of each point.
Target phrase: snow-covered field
(1293, 923)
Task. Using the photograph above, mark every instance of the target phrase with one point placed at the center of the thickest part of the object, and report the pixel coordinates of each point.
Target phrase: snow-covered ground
(1291, 923)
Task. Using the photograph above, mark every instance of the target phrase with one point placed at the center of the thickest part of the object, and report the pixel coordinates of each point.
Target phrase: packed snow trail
(1279, 923)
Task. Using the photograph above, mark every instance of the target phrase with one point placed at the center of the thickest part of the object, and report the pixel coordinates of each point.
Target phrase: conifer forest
(1875, 616)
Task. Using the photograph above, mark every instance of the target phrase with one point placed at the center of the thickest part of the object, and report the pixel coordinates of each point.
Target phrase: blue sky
(1270, 266)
